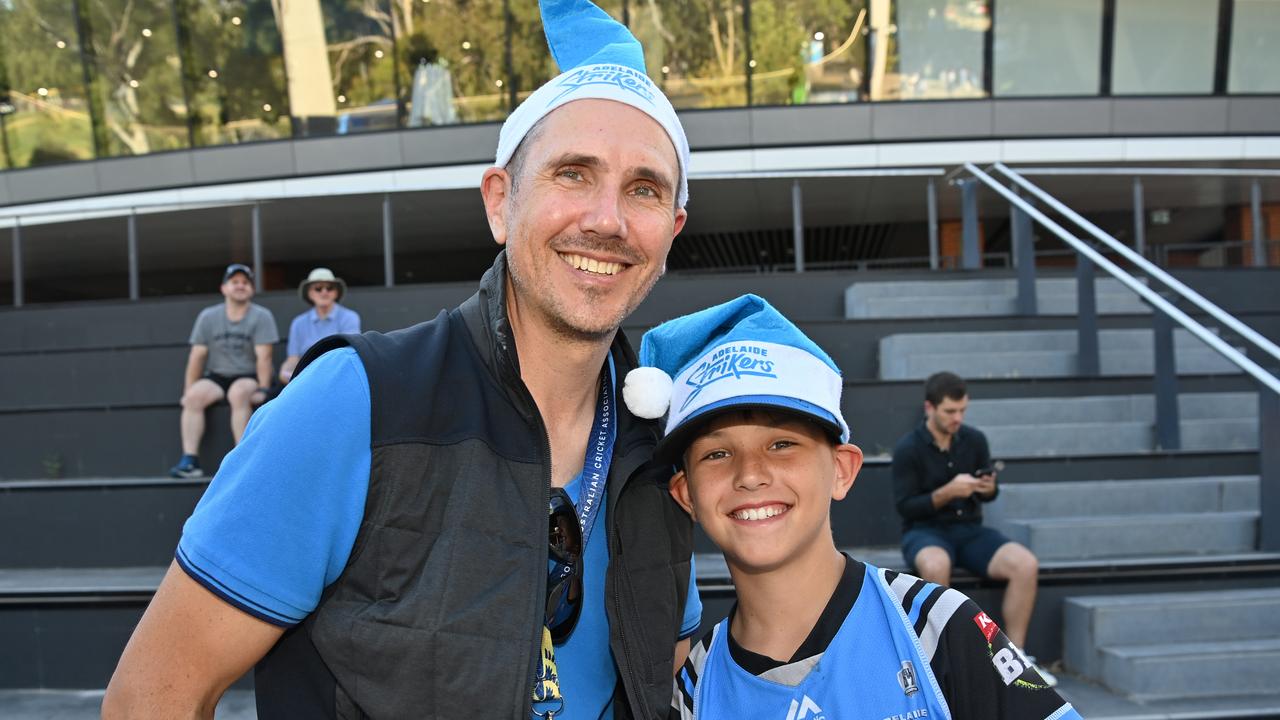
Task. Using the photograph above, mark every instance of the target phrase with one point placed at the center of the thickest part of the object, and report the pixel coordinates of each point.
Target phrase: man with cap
(459, 520)
(755, 429)
(230, 359)
(323, 291)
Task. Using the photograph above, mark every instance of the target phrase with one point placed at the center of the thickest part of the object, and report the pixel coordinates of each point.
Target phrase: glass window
(1047, 47)
(358, 84)
(1255, 47)
(1164, 46)
(138, 98)
(531, 61)
(809, 52)
(50, 121)
(695, 50)
(233, 70)
(6, 106)
(934, 50)
(451, 60)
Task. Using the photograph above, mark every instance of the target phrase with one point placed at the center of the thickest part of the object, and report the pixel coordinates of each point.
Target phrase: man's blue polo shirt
(278, 522)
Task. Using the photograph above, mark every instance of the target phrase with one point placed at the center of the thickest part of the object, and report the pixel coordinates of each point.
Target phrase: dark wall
(89, 525)
(92, 388)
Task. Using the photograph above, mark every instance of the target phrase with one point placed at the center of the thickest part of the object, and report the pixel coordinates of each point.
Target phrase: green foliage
(53, 465)
(418, 48)
(468, 37)
(143, 79)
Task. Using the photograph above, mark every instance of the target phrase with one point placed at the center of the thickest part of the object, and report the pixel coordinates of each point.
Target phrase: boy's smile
(761, 485)
(759, 512)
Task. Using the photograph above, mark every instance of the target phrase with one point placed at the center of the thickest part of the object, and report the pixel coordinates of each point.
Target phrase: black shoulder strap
(333, 342)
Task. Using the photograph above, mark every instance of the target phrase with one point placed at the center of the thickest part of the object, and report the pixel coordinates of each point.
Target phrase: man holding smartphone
(942, 475)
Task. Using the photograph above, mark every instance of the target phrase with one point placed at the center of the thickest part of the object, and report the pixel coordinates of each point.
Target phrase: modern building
(851, 162)
(214, 123)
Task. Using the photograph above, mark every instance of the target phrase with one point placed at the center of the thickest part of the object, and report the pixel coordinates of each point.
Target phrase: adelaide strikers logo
(731, 361)
(618, 75)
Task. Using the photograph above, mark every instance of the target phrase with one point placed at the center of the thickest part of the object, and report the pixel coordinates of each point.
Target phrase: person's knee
(1028, 564)
(1015, 562)
(198, 398)
(933, 562)
(240, 393)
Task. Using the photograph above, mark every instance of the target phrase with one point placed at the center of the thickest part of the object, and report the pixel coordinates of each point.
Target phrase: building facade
(145, 142)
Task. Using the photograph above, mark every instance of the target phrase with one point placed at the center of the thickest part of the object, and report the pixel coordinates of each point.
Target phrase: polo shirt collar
(923, 431)
(315, 316)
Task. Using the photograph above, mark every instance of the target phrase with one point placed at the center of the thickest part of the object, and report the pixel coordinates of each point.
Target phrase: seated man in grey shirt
(230, 358)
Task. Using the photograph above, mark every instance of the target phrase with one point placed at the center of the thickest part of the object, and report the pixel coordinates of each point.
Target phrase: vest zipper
(546, 500)
(631, 689)
(513, 379)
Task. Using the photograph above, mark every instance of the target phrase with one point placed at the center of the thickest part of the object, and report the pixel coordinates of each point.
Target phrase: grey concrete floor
(1092, 701)
(1096, 702)
(84, 705)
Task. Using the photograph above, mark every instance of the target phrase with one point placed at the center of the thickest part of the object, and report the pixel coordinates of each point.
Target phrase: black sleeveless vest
(438, 611)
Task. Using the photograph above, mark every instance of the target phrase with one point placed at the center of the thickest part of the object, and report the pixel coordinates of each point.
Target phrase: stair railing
(1165, 315)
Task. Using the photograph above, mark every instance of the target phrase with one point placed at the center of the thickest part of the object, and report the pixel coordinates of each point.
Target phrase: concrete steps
(1078, 538)
(1124, 497)
(1038, 353)
(93, 523)
(980, 298)
(1112, 424)
(1186, 670)
(1165, 646)
(1096, 520)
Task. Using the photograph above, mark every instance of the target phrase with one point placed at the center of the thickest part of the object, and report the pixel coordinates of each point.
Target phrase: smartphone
(997, 466)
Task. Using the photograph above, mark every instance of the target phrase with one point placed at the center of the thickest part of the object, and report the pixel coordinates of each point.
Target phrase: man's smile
(591, 265)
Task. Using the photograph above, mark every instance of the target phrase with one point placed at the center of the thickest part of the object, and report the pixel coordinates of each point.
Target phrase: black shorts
(970, 545)
(224, 381)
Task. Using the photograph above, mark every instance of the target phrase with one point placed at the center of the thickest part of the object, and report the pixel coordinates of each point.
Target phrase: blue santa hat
(737, 355)
(598, 58)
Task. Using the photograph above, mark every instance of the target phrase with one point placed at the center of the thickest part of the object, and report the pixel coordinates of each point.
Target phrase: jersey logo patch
(911, 715)
(988, 626)
(805, 709)
(1009, 660)
(907, 678)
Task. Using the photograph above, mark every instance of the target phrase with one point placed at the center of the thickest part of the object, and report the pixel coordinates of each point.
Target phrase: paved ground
(1093, 702)
(1097, 703)
(84, 704)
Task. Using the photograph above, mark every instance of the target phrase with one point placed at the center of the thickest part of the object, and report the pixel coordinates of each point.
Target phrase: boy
(761, 448)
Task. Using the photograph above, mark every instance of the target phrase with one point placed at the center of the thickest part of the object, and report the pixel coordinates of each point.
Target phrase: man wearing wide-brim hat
(323, 291)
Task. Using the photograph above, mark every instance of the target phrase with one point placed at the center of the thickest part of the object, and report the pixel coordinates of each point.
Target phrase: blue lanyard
(591, 484)
(595, 466)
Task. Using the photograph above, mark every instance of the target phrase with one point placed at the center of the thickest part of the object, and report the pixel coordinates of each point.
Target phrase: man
(756, 430)
(942, 474)
(230, 359)
(323, 291)
(457, 519)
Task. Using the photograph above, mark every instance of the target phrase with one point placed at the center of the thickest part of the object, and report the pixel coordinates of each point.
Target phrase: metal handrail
(1144, 264)
(1151, 296)
(804, 174)
(1154, 172)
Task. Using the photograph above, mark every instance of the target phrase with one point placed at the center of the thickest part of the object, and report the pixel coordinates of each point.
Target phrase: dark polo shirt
(920, 467)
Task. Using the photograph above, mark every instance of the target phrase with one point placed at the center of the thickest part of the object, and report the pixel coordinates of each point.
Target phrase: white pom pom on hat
(647, 392)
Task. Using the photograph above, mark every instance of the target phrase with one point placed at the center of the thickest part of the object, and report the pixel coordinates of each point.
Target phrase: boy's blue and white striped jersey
(905, 649)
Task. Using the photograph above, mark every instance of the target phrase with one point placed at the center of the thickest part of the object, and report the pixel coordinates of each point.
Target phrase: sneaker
(1049, 678)
(187, 467)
